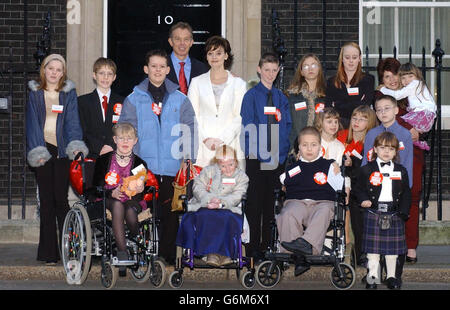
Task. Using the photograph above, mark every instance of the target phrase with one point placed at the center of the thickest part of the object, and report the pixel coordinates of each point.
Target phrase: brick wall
(12, 35)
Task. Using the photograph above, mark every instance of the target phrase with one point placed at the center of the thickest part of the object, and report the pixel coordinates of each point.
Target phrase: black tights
(121, 211)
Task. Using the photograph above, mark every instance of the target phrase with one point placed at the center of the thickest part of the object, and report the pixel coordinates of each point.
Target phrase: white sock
(373, 265)
(391, 264)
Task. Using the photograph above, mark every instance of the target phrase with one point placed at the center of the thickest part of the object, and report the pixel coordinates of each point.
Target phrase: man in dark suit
(182, 67)
(99, 111)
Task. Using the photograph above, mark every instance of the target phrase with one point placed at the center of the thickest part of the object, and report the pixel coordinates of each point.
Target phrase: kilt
(386, 242)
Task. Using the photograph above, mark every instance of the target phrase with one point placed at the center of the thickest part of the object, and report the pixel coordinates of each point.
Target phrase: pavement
(18, 262)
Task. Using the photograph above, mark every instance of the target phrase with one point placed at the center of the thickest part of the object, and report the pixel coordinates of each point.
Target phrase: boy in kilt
(383, 191)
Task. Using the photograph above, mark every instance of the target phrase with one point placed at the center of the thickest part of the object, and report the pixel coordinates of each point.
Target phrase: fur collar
(68, 86)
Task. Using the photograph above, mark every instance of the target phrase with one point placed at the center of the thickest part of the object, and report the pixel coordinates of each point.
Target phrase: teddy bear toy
(132, 183)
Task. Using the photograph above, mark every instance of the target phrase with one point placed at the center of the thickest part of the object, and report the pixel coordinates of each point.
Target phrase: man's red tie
(105, 104)
(182, 80)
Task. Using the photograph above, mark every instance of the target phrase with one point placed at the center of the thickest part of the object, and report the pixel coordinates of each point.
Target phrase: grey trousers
(315, 215)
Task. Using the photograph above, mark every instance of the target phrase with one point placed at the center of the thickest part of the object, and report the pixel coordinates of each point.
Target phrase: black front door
(138, 26)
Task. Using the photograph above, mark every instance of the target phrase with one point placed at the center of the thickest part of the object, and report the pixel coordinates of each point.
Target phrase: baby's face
(407, 78)
(309, 146)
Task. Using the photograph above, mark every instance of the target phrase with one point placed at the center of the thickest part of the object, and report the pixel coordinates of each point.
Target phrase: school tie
(105, 104)
(182, 80)
(270, 121)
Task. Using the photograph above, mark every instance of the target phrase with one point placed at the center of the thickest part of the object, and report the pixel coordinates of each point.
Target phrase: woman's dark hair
(388, 64)
(214, 43)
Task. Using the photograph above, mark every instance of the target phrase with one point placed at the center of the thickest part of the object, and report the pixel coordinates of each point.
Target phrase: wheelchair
(334, 252)
(187, 258)
(87, 233)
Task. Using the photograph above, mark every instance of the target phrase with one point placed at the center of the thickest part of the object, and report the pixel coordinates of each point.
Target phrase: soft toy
(131, 183)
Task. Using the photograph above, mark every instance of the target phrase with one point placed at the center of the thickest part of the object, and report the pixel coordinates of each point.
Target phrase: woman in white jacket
(216, 97)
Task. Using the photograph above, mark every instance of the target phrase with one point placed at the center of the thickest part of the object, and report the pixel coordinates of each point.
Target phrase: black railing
(436, 132)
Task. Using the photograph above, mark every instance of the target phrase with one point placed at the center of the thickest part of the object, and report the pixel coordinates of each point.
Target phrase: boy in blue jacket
(164, 119)
(265, 138)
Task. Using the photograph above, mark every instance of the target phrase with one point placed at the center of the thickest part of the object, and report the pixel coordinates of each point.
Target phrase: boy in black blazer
(99, 111)
(383, 191)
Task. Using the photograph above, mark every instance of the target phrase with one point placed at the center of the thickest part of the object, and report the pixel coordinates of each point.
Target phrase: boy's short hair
(386, 97)
(104, 62)
(180, 25)
(309, 130)
(268, 57)
(124, 129)
(389, 139)
(156, 52)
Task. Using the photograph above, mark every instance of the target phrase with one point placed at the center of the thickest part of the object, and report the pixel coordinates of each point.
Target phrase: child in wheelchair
(311, 184)
(213, 224)
(111, 170)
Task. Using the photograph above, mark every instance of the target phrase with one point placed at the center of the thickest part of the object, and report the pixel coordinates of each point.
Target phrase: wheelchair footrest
(117, 262)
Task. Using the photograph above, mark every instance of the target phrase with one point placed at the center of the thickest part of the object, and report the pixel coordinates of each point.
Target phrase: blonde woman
(350, 87)
(54, 136)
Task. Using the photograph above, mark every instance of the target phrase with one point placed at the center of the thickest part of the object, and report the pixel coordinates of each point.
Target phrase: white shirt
(386, 185)
(417, 101)
(100, 96)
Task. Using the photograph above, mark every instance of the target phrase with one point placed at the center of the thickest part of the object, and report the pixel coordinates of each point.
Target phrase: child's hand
(366, 204)
(348, 160)
(116, 193)
(336, 168)
(414, 134)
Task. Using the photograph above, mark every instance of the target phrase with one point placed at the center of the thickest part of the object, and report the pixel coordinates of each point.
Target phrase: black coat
(102, 167)
(97, 132)
(197, 68)
(344, 103)
(401, 193)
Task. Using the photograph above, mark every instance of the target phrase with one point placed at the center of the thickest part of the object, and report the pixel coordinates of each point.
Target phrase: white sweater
(417, 101)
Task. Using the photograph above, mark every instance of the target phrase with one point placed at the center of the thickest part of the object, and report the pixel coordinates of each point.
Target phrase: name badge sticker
(229, 181)
(396, 175)
(356, 154)
(270, 110)
(156, 108)
(294, 171)
(401, 146)
(137, 169)
(57, 108)
(369, 154)
(353, 91)
(300, 106)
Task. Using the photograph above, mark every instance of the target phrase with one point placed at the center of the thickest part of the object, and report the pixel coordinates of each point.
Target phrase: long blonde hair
(47, 60)
(299, 80)
(341, 76)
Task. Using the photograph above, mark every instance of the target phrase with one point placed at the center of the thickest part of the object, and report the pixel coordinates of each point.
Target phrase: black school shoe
(393, 284)
(298, 245)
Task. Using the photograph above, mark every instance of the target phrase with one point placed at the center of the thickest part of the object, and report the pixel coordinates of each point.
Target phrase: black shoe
(411, 260)
(371, 286)
(299, 269)
(393, 284)
(298, 245)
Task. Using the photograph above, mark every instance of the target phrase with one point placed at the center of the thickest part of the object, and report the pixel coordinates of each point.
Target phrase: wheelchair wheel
(158, 277)
(348, 276)
(268, 274)
(175, 279)
(76, 245)
(247, 279)
(110, 274)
